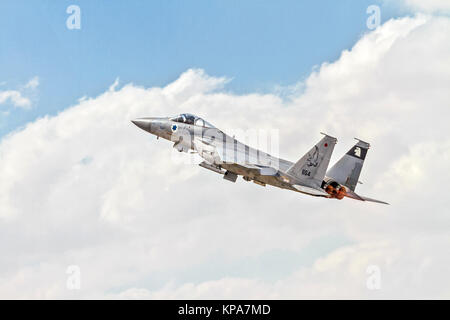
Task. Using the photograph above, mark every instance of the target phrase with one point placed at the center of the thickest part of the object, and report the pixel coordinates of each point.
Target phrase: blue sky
(259, 44)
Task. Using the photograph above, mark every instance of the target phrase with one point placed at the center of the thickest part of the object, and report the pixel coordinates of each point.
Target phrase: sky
(150, 43)
(83, 189)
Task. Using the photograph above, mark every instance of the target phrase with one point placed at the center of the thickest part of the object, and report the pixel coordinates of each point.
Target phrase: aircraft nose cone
(144, 124)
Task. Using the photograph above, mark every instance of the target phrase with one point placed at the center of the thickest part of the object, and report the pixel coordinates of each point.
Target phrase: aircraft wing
(263, 170)
(242, 159)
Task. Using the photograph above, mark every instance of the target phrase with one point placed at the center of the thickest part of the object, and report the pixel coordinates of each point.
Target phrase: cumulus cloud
(88, 188)
(16, 97)
(430, 6)
(33, 83)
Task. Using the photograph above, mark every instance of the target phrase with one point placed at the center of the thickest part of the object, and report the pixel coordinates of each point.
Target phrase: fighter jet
(227, 156)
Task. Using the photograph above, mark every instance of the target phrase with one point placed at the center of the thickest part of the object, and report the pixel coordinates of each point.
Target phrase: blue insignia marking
(174, 127)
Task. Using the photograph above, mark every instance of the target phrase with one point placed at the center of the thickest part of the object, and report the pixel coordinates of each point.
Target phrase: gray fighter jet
(227, 156)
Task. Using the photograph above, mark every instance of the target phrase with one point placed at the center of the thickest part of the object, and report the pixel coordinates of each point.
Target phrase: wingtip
(327, 135)
(362, 141)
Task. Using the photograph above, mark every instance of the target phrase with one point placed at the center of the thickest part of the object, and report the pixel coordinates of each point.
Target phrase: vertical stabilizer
(310, 169)
(347, 170)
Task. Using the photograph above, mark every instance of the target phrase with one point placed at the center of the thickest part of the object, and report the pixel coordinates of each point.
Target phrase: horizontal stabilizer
(354, 195)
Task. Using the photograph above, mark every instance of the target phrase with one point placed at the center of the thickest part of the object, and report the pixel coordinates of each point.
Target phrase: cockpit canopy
(188, 118)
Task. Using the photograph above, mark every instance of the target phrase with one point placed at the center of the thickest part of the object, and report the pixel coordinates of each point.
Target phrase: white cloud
(114, 85)
(341, 274)
(16, 97)
(87, 187)
(33, 83)
(429, 6)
